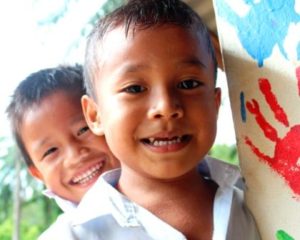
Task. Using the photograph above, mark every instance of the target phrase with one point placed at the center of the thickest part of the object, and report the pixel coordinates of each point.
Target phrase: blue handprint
(265, 25)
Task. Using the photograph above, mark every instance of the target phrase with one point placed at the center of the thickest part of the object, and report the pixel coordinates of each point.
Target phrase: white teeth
(159, 143)
(89, 174)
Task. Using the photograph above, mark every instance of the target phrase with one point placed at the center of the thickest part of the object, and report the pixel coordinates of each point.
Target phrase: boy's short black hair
(33, 89)
(139, 15)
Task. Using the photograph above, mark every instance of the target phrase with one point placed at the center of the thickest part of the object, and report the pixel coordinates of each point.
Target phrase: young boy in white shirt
(51, 97)
(150, 74)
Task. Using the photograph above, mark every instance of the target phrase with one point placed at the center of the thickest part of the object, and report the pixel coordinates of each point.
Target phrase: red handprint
(286, 159)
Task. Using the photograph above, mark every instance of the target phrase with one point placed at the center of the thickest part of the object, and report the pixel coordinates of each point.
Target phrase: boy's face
(68, 157)
(156, 100)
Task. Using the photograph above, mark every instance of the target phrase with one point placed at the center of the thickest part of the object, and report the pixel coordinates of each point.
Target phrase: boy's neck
(138, 187)
(185, 198)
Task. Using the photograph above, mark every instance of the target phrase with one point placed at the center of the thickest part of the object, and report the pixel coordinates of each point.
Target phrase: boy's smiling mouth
(88, 175)
(167, 143)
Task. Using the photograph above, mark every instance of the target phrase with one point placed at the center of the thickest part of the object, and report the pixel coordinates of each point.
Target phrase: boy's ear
(91, 114)
(35, 172)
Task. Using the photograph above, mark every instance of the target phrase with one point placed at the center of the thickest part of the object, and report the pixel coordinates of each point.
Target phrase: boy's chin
(172, 173)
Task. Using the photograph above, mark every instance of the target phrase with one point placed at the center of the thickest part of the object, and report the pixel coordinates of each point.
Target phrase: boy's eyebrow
(132, 68)
(77, 119)
(190, 61)
(193, 61)
(40, 143)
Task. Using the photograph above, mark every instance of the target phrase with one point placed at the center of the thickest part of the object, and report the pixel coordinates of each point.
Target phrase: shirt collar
(105, 199)
(224, 174)
(64, 205)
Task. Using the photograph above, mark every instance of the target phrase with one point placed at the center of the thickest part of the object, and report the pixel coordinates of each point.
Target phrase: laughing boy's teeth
(89, 174)
(159, 143)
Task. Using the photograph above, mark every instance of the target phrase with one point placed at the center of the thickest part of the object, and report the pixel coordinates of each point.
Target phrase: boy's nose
(166, 106)
(76, 154)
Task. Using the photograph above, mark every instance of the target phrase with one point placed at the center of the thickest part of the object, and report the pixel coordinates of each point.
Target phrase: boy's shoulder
(229, 202)
(61, 229)
(241, 216)
(65, 229)
(232, 219)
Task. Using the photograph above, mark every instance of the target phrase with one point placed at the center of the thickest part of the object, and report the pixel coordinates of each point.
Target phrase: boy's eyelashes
(133, 89)
(189, 84)
(82, 131)
(79, 133)
(49, 151)
(185, 85)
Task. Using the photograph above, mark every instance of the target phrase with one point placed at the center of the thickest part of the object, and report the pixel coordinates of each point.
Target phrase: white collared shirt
(221, 172)
(106, 214)
(64, 204)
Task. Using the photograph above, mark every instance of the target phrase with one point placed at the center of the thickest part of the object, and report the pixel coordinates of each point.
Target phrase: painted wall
(260, 41)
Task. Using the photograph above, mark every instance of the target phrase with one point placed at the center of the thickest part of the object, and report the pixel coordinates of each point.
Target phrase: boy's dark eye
(82, 130)
(134, 89)
(189, 84)
(49, 151)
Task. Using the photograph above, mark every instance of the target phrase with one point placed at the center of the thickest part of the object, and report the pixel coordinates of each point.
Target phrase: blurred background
(37, 34)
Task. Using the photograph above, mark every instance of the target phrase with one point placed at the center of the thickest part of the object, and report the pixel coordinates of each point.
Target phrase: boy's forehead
(116, 41)
(120, 35)
(134, 29)
(183, 45)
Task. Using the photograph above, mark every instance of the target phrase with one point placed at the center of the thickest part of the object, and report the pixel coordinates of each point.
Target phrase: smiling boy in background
(50, 130)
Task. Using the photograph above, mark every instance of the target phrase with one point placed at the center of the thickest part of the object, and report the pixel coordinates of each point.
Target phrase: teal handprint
(265, 25)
